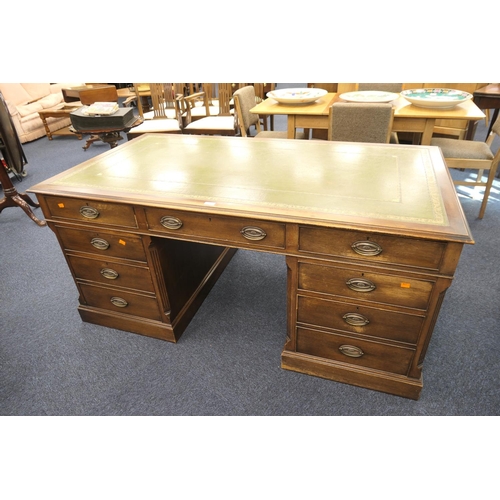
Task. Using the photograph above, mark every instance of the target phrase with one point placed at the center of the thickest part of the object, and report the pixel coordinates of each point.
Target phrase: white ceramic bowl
(296, 96)
(369, 96)
(436, 98)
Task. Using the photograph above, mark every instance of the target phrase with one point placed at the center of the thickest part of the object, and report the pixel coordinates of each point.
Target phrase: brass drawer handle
(109, 274)
(351, 351)
(118, 302)
(170, 222)
(360, 285)
(366, 248)
(355, 319)
(99, 243)
(253, 233)
(89, 212)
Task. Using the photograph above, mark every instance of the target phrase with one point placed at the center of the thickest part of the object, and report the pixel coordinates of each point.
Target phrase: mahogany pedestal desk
(372, 234)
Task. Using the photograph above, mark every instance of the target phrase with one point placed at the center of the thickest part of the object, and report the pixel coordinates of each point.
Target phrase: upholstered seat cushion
(211, 123)
(453, 148)
(159, 125)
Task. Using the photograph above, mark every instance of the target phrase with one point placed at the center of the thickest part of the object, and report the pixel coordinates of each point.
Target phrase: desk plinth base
(171, 332)
(138, 325)
(331, 370)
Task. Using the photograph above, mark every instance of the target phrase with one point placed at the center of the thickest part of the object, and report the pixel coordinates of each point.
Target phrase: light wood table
(371, 233)
(305, 116)
(411, 118)
(407, 117)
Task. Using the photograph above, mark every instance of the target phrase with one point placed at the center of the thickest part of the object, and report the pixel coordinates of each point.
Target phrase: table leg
(13, 198)
(46, 125)
(471, 130)
(427, 133)
(291, 127)
(492, 121)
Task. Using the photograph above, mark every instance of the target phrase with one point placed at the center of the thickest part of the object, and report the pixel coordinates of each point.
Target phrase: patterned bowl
(436, 98)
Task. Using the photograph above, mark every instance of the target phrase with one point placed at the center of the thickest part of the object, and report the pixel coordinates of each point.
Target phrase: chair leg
(491, 178)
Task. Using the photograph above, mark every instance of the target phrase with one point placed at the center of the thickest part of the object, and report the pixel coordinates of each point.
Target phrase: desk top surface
(388, 188)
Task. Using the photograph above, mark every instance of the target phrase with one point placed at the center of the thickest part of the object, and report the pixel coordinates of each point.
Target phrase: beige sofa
(24, 100)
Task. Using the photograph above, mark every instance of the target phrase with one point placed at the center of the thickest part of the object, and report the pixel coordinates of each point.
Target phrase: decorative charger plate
(369, 96)
(296, 96)
(436, 98)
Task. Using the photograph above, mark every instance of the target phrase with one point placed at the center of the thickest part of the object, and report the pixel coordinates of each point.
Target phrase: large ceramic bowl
(369, 96)
(296, 96)
(436, 98)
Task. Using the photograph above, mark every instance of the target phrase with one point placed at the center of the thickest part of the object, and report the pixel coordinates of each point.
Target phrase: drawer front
(92, 212)
(364, 320)
(112, 273)
(121, 301)
(372, 247)
(123, 246)
(362, 285)
(226, 230)
(353, 351)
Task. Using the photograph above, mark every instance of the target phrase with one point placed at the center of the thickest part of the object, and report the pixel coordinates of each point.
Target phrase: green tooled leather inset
(379, 181)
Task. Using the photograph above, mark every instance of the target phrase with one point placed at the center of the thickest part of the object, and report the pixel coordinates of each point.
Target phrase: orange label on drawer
(60, 205)
(405, 285)
(122, 242)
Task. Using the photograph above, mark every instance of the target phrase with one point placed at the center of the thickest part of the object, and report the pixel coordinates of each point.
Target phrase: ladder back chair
(163, 118)
(224, 123)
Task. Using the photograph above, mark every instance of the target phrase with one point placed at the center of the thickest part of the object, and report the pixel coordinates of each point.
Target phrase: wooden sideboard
(372, 235)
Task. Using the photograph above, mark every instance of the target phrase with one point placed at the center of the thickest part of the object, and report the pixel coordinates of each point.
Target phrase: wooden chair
(360, 122)
(207, 103)
(244, 101)
(463, 154)
(396, 88)
(162, 100)
(224, 123)
(98, 94)
(163, 118)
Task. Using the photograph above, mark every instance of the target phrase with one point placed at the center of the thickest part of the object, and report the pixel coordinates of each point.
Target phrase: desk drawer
(354, 351)
(125, 246)
(121, 301)
(360, 319)
(225, 230)
(370, 286)
(112, 273)
(91, 212)
(377, 248)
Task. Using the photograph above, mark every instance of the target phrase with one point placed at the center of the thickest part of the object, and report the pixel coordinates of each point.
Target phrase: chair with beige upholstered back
(463, 154)
(360, 122)
(244, 101)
